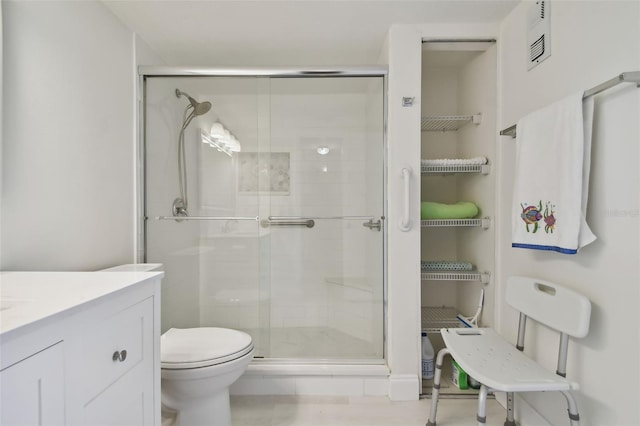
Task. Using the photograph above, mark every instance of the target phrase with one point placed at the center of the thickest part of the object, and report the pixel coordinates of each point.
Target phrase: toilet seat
(202, 347)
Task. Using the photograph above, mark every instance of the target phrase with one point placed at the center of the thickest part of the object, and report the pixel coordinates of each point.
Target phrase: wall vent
(538, 36)
(537, 49)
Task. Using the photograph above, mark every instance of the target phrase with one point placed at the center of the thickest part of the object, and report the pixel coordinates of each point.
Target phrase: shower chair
(499, 366)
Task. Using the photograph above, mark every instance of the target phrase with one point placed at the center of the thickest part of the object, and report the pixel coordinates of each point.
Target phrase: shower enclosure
(284, 233)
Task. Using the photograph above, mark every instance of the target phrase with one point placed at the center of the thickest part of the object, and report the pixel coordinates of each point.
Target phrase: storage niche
(457, 153)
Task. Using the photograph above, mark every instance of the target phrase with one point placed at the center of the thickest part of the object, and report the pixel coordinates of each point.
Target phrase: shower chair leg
(510, 416)
(574, 417)
(482, 405)
(436, 387)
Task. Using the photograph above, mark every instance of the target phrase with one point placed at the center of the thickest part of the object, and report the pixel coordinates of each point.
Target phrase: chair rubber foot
(429, 423)
(509, 423)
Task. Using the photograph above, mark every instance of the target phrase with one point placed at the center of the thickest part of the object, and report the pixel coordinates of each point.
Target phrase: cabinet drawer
(117, 345)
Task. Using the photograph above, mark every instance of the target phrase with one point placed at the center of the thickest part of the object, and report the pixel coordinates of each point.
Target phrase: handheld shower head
(181, 205)
(199, 108)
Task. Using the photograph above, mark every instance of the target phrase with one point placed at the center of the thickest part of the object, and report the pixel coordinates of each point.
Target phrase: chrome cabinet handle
(119, 356)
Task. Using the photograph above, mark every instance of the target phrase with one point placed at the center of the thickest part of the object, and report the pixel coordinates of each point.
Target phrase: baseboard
(404, 387)
(328, 385)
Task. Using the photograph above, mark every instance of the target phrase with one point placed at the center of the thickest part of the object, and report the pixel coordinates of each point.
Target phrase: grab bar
(267, 223)
(179, 218)
(405, 224)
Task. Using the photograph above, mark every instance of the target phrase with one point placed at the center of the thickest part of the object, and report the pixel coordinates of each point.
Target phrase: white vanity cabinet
(32, 389)
(91, 360)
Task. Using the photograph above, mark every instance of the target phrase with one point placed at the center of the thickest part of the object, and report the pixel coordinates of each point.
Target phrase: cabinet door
(119, 391)
(33, 390)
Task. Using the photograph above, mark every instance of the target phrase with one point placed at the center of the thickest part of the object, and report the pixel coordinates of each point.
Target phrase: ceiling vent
(538, 36)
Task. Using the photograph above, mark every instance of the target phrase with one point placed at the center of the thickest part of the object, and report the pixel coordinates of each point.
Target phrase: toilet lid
(201, 347)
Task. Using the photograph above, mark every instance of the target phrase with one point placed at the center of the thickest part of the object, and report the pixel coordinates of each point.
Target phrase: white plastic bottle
(427, 357)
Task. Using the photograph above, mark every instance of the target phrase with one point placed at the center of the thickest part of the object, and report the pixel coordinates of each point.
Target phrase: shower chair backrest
(551, 304)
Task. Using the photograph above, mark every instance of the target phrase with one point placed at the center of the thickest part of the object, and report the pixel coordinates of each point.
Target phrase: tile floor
(355, 411)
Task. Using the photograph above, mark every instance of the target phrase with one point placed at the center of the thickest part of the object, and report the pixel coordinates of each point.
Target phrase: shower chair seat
(499, 366)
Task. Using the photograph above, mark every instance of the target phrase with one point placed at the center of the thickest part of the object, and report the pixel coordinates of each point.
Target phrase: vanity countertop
(29, 298)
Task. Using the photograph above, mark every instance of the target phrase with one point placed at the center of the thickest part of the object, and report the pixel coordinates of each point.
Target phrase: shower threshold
(297, 368)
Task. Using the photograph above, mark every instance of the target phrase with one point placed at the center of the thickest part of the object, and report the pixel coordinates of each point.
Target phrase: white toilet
(198, 366)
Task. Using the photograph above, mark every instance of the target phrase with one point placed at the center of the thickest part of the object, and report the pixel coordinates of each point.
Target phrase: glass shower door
(284, 237)
(326, 242)
(214, 272)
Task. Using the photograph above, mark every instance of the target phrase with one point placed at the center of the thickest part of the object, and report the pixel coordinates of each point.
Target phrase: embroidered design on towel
(549, 218)
(531, 215)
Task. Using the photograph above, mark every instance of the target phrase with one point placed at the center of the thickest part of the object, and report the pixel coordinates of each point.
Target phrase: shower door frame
(315, 72)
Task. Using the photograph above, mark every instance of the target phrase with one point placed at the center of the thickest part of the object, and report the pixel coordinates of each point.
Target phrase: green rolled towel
(459, 210)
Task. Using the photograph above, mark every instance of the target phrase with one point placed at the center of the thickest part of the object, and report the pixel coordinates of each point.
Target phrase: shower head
(199, 108)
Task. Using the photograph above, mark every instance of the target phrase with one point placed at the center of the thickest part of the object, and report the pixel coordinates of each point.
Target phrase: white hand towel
(552, 177)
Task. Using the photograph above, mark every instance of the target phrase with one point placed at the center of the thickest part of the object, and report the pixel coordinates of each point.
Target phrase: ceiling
(286, 33)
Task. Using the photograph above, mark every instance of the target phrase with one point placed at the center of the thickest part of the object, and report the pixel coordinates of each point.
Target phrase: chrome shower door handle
(309, 223)
(371, 224)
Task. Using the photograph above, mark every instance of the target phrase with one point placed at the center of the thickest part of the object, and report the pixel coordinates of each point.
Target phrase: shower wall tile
(236, 317)
(311, 314)
(314, 175)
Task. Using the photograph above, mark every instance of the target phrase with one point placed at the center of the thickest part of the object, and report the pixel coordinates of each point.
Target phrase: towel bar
(625, 77)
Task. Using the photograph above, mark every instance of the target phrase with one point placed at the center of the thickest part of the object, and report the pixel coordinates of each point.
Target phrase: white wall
(68, 137)
(591, 42)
